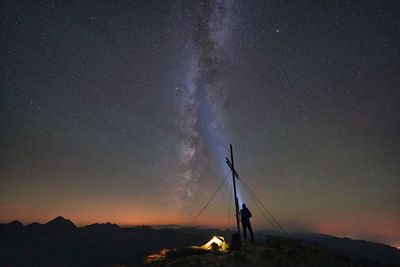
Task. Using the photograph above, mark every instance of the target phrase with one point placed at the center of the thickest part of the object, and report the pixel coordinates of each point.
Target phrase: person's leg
(244, 226)
(251, 231)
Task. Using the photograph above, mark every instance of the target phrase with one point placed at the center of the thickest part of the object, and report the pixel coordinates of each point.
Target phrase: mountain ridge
(109, 244)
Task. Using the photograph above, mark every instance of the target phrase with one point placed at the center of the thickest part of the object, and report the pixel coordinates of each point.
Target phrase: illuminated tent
(216, 245)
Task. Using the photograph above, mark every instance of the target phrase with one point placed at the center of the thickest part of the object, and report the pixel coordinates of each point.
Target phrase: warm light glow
(377, 230)
(156, 257)
(216, 243)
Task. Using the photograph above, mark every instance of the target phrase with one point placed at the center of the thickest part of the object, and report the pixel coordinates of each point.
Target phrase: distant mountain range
(356, 249)
(61, 243)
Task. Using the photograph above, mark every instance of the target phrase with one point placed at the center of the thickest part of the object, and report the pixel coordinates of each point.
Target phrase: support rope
(262, 205)
(209, 201)
(260, 209)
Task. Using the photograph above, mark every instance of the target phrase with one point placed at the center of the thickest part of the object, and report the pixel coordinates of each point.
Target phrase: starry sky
(123, 111)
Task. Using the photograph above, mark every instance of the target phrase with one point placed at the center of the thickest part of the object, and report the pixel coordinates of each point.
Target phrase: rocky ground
(275, 252)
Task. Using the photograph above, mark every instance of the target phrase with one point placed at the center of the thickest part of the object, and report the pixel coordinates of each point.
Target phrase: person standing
(245, 215)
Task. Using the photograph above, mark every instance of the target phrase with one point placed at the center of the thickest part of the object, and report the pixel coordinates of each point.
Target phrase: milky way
(199, 121)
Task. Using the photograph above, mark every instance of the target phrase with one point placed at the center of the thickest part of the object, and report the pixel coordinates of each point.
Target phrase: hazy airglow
(128, 117)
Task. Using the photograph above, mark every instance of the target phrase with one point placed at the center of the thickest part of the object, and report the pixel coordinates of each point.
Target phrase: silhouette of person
(246, 214)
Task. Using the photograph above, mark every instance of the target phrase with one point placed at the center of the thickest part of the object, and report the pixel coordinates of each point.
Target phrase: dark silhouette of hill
(356, 249)
(14, 226)
(101, 227)
(60, 225)
(61, 243)
(34, 226)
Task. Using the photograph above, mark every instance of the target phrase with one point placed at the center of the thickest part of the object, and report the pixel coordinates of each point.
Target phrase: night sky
(123, 111)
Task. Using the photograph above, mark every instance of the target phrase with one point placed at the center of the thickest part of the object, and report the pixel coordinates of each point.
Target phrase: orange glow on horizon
(381, 231)
(121, 217)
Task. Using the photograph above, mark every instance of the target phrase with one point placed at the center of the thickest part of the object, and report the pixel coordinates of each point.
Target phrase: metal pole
(234, 190)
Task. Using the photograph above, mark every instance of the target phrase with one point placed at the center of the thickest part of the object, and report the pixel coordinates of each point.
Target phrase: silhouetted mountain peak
(13, 226)
(16, 223)
(102, 227)
(57, 219)
(60, 223)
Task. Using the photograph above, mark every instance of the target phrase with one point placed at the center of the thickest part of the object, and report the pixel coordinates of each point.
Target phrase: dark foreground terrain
(273, 252)
(60, 243)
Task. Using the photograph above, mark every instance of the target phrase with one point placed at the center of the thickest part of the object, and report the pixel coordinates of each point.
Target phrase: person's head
(243, 205)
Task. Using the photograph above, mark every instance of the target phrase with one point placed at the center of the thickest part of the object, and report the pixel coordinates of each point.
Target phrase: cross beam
(232, 169)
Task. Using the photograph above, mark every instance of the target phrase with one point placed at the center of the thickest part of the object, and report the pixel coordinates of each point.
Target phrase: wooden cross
(234, 174)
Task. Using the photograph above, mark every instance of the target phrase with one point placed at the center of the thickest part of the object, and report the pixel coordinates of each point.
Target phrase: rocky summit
(274, 252)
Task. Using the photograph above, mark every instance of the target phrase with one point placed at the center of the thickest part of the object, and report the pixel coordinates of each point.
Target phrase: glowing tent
(216, 245)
